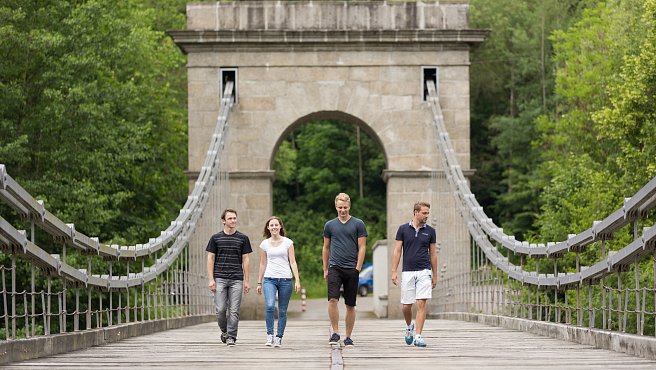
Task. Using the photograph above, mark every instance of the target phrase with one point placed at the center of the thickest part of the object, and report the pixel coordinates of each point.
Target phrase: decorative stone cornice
(268, 174)
(193, 175)
(325, 40)
(387, 174)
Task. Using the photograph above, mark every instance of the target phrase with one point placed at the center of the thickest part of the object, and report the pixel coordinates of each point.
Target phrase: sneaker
(409, 334)
(269, 341)
(348, 341)
(224, 337)
(277, 342)
(231, 341)
(334, 339)
(419, 341)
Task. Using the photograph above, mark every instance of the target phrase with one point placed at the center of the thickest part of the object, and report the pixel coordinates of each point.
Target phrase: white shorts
(416, 285)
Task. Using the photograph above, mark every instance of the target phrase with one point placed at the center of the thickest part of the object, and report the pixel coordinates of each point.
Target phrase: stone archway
(365, 59)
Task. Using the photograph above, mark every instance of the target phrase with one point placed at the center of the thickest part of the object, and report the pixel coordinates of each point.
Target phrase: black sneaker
(224, 337)
(348, 341)
(334, 339)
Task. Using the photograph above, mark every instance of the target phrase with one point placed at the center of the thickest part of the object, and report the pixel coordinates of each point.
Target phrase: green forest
(93, 120)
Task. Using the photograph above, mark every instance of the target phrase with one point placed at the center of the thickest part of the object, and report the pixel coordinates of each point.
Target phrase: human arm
(245, 262)
(294, 266)
(362, 250)
(325, 255)
(433, 256)
(260, 274)
(210, 271)
(395, 261)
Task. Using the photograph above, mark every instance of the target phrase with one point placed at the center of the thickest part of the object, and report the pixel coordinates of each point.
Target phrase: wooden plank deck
(379, 345)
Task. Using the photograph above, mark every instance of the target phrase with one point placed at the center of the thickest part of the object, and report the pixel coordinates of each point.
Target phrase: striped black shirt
(228, 250)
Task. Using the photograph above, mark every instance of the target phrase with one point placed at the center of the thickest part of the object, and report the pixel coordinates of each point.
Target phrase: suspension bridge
(398, 70)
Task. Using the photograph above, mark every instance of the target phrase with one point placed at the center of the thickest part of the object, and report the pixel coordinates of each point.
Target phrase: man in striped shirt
(227, 271)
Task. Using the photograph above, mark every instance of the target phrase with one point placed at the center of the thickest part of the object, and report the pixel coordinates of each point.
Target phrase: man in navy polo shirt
(419, 276)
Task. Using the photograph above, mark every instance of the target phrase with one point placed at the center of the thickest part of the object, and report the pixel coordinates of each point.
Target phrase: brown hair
(418, 206)
(267, 233)
(227, 210)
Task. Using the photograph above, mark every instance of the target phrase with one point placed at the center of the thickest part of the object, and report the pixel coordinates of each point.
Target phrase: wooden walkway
(379, 345)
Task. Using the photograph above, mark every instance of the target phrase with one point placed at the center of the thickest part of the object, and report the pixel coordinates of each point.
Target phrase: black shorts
(338, 276)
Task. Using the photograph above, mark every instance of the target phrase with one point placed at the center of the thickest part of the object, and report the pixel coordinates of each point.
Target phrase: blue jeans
(283, 286)
(227, 301)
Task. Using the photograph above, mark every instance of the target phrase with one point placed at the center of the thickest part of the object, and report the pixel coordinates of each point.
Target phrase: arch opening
(317, 157)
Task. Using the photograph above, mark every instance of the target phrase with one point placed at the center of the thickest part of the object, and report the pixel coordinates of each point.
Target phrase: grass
(315, 287)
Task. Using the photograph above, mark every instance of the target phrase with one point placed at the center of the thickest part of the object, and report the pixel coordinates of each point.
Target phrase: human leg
(350, 280)
(284, 294)
(333, 314)
(424, 289)
(334, 283)
(421, 315)
(349, 320)
(234, 303)
(407, 313)
(270, 289)
(408, 294)
(221, 305)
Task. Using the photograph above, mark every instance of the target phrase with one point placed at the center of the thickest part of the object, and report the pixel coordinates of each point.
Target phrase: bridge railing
(548, 282)
(56, 279)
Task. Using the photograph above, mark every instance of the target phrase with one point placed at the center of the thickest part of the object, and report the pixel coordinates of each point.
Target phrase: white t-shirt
(277, 258)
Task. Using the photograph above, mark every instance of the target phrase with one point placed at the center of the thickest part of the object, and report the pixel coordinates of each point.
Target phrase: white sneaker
(409, 334)
(277, 342)
(269, 341)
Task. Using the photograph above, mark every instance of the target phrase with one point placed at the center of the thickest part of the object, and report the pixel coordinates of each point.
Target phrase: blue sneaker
(409, 334)
(419, 341)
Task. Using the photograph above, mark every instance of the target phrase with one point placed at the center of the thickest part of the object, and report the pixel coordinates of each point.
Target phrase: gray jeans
(227, 300)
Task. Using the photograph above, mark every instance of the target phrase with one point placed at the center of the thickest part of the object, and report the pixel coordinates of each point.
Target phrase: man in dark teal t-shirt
(344, 247)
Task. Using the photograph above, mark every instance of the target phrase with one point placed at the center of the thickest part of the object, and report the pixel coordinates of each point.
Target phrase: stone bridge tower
(363, 62)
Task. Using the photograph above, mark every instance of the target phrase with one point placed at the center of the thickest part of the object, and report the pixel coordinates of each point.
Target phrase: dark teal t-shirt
(344, 241)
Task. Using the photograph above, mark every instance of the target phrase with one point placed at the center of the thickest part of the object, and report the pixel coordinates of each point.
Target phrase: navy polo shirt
(416, 246)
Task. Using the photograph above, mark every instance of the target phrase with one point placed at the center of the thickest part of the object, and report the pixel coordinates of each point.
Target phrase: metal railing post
(13, 297)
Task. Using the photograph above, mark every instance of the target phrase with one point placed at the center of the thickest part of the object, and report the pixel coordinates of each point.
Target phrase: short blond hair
(343, 197)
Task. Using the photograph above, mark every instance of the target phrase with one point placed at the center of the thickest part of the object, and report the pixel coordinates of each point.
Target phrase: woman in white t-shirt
(277, 263)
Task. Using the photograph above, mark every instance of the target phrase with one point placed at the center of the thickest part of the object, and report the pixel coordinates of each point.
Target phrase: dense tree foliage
(512, 83)
(593, 140)
(89, 121)
(602, 146)
(93, 119)
(558, 134)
